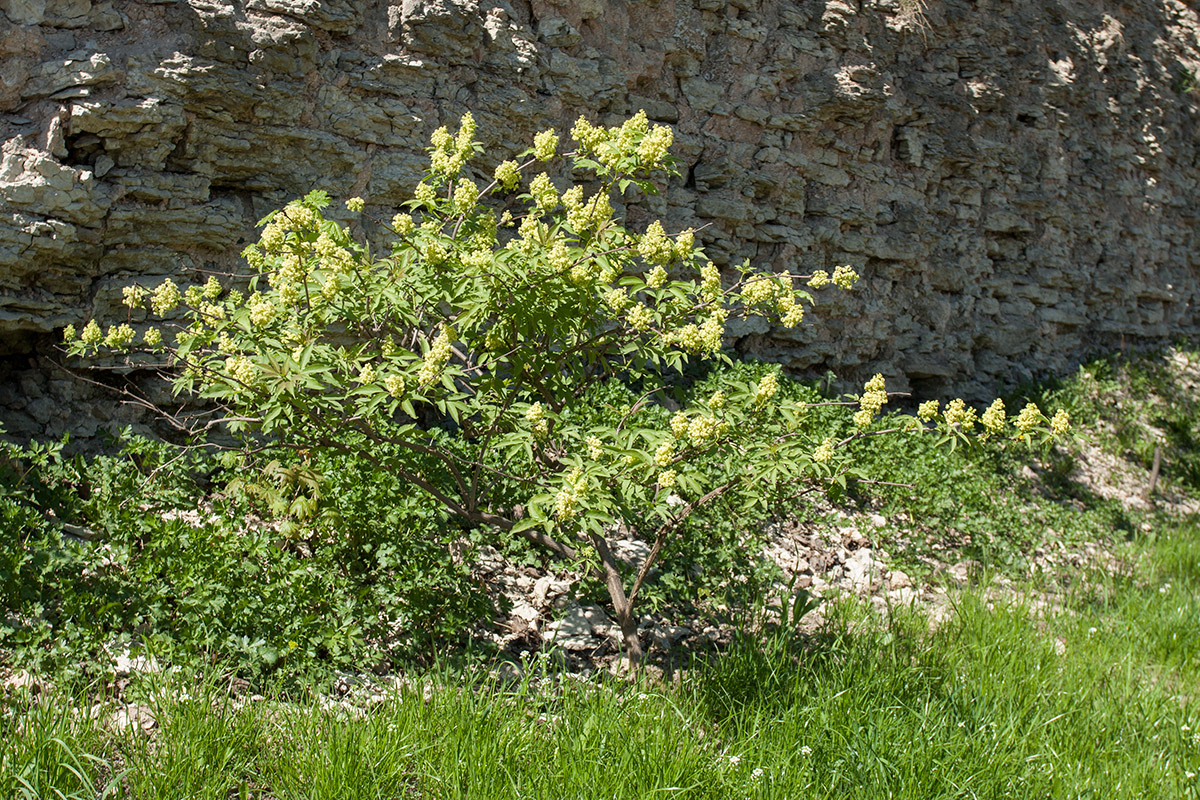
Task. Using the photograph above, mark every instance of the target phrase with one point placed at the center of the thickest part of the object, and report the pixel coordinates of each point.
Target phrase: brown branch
(660, 536)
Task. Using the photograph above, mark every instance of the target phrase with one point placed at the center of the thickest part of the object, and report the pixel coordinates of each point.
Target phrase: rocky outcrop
(1016, 181)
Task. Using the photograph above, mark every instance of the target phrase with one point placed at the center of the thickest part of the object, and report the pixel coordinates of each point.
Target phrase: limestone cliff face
(1016, 180)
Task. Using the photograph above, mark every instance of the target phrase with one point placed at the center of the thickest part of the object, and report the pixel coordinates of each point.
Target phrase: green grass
(1099, 699)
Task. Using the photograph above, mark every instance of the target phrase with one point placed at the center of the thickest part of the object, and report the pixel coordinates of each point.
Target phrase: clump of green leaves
(158, 548)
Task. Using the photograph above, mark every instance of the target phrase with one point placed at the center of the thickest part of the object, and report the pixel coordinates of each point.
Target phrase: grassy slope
(1101, 701)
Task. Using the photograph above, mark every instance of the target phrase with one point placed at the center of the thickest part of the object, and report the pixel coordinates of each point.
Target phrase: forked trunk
(622, 606)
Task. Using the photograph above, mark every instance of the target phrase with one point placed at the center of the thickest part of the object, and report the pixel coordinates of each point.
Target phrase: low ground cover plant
(153, 550)
(513, 353)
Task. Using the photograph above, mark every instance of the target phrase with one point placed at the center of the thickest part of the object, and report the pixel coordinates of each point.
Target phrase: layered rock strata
(1016, 181)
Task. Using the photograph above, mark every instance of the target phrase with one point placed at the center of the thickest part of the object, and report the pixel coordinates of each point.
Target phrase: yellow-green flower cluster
(193, 296)
(466, 193)
(545, 196)
(535, 415)
(119, 337)
(254, 257)
(666, 479)
(871, 402)
(449, 154)
(960, 414)
(529, 234)
(92, 335)
(767, 387)
(790, 312)
(394, 384)
(566, 502)
(403, 224)
(1061, 422)
(679, 424)
(775, 291)
(262, 310)
(331, 252)
(559, 256)
(595, 448)
(710, 282)
(508, 174)
(587, 135)
(436, 359)
(152, 338)
(133, 296)
(545, 144)
(165, 298)
(583, 273)
(477, 260)
(289, 293)
(632, 129)
(466, 133)
(212, 288)
(665, 454)
(424, 194)
(640, 318)
(703, 338)
(760, 290)
(656, 278)
(685, 240)
(583, 217)
(655, 144)
(993, 418)
(356, 205)
(718, 400)
(294, 269)
(703, 431)
(1029, 419)
(616, 299)
(844, 277)
(241, 369)
(823, 453)
(366, 375)
(433, 252)
(928, 410)
(610, 145)
(296, 217)
(69, 334)
(654, 246)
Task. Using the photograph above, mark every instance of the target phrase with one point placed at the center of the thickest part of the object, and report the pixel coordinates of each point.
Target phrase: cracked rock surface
(1015, 181)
